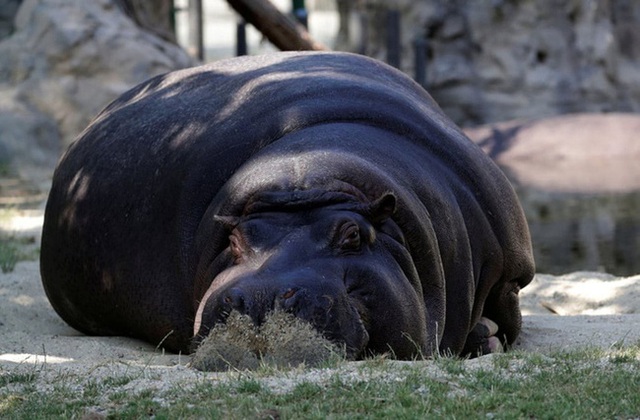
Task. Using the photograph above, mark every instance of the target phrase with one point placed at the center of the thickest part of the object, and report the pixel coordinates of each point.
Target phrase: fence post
(172, 15)
(393, 38)
(364, 32)
(241, 37)
(196, 42)
(420, 50)
(300, 12)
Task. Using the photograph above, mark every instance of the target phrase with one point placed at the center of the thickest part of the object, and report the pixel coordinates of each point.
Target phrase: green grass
(17, 378)
(13, 250)
(579, 384)
(6, 170)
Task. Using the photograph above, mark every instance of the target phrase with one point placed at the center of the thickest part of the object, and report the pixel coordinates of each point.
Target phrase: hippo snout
(256, 302)
(328, 309)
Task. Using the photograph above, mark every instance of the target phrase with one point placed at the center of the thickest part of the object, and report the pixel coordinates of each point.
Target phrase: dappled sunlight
(76, 192)
(589, 294)
(256, 87)
(33, 359)
(23, 300)
(244, 93)
(16, 222)
(27, 222)
(579, 153)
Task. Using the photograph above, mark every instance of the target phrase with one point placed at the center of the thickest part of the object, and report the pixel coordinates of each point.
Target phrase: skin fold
(327, 185)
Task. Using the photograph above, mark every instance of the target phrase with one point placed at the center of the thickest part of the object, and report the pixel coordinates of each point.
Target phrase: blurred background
(550, 89)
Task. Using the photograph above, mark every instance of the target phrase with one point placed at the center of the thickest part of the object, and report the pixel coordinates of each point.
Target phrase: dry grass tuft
(282, 340)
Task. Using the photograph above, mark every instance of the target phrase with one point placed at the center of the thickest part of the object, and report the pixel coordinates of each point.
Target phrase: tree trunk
(281, 30)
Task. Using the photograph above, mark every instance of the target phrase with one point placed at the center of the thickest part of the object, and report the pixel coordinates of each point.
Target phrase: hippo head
(335, 261)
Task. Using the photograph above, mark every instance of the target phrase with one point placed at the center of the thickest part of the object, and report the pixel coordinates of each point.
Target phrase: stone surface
(63, 63)
(578, 179)
(8, 10)
(501, 60)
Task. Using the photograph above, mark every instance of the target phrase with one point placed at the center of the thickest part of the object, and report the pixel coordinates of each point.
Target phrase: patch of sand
(596, 310)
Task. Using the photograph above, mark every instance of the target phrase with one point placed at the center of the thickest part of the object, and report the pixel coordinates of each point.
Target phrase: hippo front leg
(482, 339)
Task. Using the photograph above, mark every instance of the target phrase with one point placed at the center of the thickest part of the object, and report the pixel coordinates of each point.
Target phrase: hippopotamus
(326, 185)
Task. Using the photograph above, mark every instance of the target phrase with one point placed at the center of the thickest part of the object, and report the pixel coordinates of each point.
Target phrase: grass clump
(8, 256)
(282, 340)
(17, 378)
(13, 250)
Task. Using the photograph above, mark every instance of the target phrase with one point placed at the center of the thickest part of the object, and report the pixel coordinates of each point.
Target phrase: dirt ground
(579, 309)
(560, 312)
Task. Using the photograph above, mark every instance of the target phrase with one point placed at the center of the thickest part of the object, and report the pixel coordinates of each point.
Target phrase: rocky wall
(63, 62)
(8, 10)
(498, 60)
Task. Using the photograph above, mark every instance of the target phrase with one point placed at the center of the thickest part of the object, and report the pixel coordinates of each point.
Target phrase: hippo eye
(237, 250)
(349, 236)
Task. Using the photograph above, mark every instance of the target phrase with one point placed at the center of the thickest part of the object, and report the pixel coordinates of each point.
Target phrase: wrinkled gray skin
(327, 185)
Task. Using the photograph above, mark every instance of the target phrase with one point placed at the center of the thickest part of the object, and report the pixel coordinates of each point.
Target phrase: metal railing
(300, 12)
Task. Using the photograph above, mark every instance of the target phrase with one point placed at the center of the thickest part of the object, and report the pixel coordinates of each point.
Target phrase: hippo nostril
(234, 299)
(289, 299)
(289, 294)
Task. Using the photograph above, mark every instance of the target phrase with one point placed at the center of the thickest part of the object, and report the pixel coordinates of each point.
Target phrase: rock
(8, 10)
(64, 63)
(578, 179)
(502, 60)
(27, 138)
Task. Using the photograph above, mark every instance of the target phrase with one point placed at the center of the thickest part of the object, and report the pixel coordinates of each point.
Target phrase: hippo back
(128, 218)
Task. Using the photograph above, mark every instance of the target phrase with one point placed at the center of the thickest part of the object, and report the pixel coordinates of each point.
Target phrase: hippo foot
(482, 339)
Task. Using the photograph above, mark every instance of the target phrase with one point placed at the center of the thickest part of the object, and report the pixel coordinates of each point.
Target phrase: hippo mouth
(342, 330)
(282, 340)
(349, 333)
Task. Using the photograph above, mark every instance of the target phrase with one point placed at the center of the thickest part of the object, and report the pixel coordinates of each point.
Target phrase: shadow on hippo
(326, 185)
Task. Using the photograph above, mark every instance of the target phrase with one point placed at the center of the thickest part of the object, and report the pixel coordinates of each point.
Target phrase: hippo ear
(383, 208)
(230, 222)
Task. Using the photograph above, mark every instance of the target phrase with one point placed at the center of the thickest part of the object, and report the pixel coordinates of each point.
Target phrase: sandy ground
(579, 309)
(566, 312)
